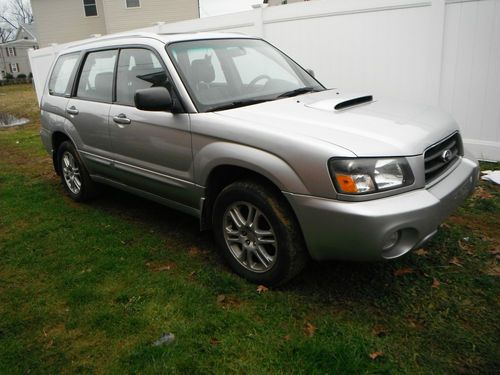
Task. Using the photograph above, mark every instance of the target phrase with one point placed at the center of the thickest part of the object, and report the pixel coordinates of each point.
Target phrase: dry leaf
(378, 330)
(221, 298)
(214, 341)
(161, 267)
(309, 329)
(402, 271)
(436, 283)
(421, 252)
(495, 252)
(455, 261)
(193, 251)
(262, 289)
(287, 338)
(375, 355)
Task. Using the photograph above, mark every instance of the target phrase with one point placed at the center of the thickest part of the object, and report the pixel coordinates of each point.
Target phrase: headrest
(104, 82)
(202, 70)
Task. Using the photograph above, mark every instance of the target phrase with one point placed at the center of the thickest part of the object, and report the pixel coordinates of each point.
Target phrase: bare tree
(5, 34)
(12, 15)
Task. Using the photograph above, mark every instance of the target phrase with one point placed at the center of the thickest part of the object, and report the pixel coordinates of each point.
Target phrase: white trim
(11, 51)
(127, 7)
(89, 5)
(14, 67)
(316, 10)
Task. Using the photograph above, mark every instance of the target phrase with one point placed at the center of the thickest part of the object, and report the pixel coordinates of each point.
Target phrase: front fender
(266, 164)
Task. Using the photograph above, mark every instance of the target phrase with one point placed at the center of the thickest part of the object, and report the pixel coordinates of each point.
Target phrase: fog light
(390, 241)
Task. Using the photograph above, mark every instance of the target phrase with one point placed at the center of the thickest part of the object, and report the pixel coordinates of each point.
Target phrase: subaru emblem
(446, 155)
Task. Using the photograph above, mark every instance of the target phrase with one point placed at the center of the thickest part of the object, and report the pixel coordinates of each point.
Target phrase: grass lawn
(88, 288)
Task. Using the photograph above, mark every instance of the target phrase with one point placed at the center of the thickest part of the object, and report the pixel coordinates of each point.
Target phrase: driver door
(152, 150)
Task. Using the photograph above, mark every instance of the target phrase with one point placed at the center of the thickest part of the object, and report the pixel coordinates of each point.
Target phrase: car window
(137, 69)
(219, 73)
(252, 62)
(59, 83)
(96, 78)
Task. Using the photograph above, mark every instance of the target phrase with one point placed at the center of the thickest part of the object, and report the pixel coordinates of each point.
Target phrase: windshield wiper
(236, 104)
(301, 90)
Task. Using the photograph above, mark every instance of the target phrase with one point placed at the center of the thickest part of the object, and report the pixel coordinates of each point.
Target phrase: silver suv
(231, 130)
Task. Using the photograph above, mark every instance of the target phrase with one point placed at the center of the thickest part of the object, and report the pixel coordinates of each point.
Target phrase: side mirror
(153, 99)
(311, 72)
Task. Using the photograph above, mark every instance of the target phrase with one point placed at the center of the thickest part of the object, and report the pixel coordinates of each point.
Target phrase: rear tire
(74, 176)
(258, 234)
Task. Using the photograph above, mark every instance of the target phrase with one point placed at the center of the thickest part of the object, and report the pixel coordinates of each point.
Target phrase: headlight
(363, 176)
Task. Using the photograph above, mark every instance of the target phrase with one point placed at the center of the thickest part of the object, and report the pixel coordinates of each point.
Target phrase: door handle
(72, 110)
(122, 119)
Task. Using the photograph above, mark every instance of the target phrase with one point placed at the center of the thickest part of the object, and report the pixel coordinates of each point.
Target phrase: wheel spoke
(66, 161)
(266, 241)
(237, 218)
(262, 255)
(77, 182)
(252, 214)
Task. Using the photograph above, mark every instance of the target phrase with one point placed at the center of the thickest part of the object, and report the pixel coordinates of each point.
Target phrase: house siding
(61, 21)
(120, 18)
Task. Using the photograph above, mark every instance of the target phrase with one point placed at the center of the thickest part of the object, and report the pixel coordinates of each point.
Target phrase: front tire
(74, 176)
(258, 234)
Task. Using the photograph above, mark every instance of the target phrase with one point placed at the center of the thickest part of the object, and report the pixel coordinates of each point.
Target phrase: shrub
(9, 76)
(22, 76)
(30, 75)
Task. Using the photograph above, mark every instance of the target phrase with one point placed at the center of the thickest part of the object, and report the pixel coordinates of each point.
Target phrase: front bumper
(358, 230)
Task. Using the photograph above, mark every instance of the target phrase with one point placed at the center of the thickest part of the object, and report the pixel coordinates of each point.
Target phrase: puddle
(7, 120)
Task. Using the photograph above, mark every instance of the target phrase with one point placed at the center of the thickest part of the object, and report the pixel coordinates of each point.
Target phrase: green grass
(88, 288)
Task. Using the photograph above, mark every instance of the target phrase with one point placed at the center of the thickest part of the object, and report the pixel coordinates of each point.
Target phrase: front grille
(437, 159)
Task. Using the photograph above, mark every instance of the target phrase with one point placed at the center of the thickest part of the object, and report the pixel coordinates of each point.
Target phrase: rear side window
(59, 83)
(96, 77)
(137, 69)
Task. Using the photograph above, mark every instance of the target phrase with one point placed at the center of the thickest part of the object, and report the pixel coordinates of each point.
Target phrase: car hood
(377, 128)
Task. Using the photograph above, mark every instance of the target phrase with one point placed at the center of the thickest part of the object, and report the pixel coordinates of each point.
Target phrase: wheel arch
(57, 138)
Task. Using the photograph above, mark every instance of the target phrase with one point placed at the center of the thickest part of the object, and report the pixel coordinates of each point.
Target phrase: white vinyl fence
(443, 53)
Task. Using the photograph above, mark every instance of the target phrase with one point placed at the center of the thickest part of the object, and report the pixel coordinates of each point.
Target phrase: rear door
(152, 150)
(88, 110)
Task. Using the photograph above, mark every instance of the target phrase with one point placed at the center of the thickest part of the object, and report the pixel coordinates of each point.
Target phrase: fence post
(436, 23)
(258, 20)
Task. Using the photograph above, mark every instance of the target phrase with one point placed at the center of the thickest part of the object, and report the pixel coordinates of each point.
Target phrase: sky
(217, 7)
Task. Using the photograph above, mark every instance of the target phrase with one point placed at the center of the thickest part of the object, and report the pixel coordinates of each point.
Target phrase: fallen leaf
(482, 193)
(421, 252)
(193, 251)
(435, 283)
(378, 330)
(375, 355)
(455, 261)
(309, 329)
(402, 271)
(214, 341)
(262, 289)
(464, 246)
(221, 298)
(287, 338)
(161, 267)
(495, 252)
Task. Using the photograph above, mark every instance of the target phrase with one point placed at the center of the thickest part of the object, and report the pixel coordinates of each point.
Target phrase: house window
(14, 68)
(11, 51)
(90, 8)
(133, 3)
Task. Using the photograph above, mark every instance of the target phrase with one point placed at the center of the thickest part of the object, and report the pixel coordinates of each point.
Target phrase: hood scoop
(339, 104)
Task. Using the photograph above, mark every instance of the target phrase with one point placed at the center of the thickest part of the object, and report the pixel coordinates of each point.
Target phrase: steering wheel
(257, 79)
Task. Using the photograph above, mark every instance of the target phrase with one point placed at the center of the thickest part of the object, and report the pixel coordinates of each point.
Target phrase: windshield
(227, 73)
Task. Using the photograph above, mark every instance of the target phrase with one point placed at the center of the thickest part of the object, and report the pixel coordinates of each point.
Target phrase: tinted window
(133, 3)
(90, 8)
(96, 78)
(59, 83)
(137, 69)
